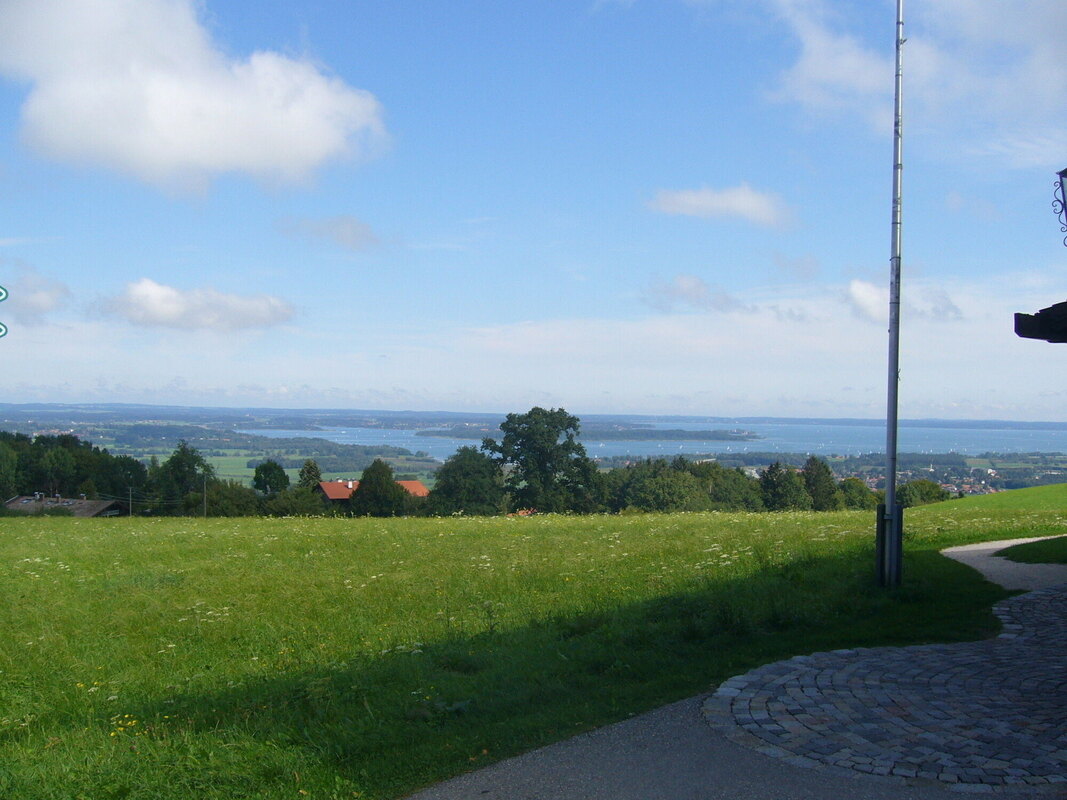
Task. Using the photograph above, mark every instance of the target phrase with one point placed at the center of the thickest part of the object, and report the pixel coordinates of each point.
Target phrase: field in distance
(169, 657)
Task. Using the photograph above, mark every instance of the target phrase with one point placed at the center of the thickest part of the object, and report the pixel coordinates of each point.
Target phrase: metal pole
(893, 539)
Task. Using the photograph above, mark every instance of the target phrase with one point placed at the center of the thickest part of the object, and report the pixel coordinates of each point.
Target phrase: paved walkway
(914, 723)
(1009, 574)
(981, 714)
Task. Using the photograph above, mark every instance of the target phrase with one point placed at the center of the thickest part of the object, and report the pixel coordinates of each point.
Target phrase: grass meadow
(341, 658)
(1048, 551)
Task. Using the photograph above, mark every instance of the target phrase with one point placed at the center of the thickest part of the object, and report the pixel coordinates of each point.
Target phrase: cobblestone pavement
(978, 715)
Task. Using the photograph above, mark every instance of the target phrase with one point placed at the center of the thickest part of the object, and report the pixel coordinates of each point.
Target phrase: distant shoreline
(440, 434)
(313, 418)
(611, 435)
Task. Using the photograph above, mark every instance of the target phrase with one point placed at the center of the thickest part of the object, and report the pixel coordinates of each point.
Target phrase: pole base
(889, 546)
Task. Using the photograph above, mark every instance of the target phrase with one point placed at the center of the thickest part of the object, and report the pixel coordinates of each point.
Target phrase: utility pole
(890, 515)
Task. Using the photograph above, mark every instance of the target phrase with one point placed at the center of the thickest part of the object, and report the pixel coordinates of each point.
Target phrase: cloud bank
(155, 305)
(140, 87)
(796, 351)
(33, 296)
(1009, 105)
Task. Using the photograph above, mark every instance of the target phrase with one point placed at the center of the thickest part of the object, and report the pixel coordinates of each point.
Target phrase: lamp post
(890, 525)
(1059, 200)
(1049, 324)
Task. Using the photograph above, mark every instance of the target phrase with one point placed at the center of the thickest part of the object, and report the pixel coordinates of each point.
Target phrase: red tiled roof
(415, 488)
(338, 490)
(342, 489)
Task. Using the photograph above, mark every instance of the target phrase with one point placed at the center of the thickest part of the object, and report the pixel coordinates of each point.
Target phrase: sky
(610, 206)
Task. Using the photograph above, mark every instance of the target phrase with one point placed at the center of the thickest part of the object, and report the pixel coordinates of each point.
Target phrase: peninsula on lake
(605, 433)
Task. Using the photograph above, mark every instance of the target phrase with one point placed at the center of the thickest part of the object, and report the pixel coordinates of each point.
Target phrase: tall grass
(152, 658)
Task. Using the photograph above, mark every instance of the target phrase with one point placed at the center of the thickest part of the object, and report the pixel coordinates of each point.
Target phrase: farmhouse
(39, 503)
(341, 489)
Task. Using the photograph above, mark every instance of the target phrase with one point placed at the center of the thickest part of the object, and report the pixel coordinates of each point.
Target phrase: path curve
(1009, 574)
(977, 715)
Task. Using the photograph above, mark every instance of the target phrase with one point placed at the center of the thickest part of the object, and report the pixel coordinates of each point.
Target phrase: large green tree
(546, 467)
(298, 501)
(378, 493)
(120, 476)
(655, 485)
(182, 475)
(60, 470)
(9, 478)
(469, 482)
(310, 475)
(920, 492)
(225, 498)
(729, 489)
(783, 489)
(270, 478)
(821, 485)
(856, 494)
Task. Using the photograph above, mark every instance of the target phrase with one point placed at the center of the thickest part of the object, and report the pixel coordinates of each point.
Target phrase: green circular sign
(3, 294)
(3, 330)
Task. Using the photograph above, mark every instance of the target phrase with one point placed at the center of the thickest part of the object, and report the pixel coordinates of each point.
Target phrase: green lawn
(1049, 551)
(1037, 498)
(339, 658)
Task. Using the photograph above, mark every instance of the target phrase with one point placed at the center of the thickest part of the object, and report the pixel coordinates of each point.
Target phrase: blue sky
(647, 206)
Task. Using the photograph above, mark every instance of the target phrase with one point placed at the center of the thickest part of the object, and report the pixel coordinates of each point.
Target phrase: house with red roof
(341, 489)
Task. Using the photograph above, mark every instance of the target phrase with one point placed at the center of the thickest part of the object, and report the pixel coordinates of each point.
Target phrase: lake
(821, 437)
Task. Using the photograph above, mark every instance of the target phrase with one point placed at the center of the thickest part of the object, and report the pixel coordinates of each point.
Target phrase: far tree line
(537, 465)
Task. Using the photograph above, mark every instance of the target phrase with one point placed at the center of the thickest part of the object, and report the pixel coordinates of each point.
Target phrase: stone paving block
(976, 715)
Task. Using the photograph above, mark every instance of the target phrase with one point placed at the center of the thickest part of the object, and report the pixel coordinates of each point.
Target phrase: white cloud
(923, 301)
(762, 208)
(994, 74)
(835, 70)
(934, 304)
(33, 296)
(868, 301)
(989, 77)
(139, 86)
(345, 231)
(689, 292)
(152, 304)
